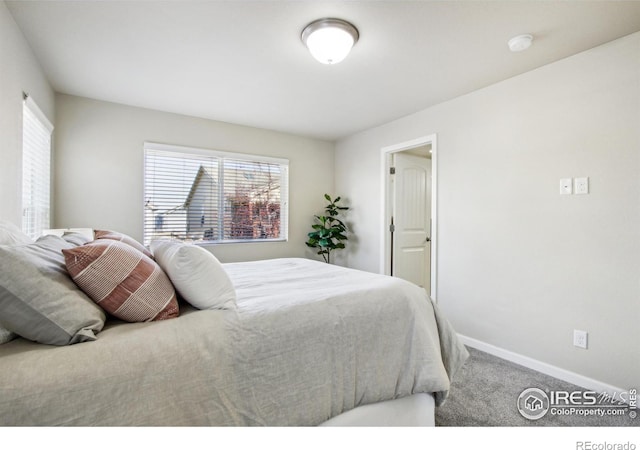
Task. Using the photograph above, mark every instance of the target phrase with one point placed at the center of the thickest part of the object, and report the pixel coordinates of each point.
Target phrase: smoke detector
(520, 43)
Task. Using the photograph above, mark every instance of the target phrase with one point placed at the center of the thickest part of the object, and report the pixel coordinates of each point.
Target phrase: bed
(307, 343)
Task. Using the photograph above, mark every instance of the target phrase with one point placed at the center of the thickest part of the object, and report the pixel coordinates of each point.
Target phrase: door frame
(386, 196)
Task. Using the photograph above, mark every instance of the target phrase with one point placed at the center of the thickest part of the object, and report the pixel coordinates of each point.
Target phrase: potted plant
(329, 232)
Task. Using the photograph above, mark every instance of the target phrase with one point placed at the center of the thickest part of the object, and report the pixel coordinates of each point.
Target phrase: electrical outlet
(580, 338)
(581, 185)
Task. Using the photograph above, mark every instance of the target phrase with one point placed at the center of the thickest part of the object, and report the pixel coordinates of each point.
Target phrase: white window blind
(36, 169)
(210, 196)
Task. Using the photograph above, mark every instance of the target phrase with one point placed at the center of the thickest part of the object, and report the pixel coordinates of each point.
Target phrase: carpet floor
(485, 391)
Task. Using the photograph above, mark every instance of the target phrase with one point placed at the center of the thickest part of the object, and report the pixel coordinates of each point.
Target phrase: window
(210, 196)
(36, 174)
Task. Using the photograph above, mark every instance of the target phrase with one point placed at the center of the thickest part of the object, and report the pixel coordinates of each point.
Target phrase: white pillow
(12, 235)
(196, 274)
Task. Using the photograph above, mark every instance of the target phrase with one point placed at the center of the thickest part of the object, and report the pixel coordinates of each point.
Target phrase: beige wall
(19, 71)
(520, 266)
(99, 168)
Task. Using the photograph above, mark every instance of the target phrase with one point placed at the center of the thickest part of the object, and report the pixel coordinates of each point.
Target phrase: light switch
(566, 186)
(581, 185)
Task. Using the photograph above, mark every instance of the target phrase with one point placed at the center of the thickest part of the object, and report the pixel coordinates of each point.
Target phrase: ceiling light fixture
(519, 43)
(330, 40)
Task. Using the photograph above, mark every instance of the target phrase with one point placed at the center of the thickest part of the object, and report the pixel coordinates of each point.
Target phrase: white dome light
(329, 40)
(519, 43)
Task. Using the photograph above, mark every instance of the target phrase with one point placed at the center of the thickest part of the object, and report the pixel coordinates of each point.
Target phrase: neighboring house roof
(203, 173)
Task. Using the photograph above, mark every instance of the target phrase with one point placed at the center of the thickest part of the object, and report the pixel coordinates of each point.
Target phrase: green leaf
(329, 231)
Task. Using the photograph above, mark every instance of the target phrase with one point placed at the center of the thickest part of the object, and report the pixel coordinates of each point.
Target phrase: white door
(411, 241)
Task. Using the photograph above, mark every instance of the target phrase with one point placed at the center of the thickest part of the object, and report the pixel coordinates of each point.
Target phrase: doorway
(409, 193)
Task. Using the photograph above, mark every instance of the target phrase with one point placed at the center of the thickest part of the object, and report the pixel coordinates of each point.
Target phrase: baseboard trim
(542, 367)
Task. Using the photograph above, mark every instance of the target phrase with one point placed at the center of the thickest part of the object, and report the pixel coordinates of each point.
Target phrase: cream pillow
(117, 236)
(196, 274)
(86, 232)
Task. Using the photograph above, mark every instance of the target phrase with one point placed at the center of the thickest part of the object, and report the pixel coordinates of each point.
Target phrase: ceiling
(243, 62)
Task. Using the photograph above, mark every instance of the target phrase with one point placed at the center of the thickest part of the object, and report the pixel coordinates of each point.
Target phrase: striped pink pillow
(122, 281)
(106, 234)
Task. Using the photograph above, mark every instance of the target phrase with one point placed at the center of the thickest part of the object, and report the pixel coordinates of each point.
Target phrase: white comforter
(324, 339)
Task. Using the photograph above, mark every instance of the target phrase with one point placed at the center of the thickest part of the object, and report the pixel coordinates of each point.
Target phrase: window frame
(41, 156)
(222, 155)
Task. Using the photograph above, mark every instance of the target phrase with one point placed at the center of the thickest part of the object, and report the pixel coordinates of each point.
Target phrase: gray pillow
(75, 238)
(38, 299)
